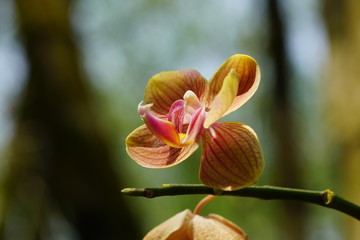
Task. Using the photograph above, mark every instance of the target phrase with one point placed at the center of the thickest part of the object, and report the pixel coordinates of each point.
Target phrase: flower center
(188, 112)
(184, 121)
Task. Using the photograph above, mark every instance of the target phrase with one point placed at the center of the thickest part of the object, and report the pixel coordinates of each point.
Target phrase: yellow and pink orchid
(182, 107)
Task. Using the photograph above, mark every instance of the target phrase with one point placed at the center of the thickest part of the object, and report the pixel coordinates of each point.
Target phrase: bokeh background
(73, 72)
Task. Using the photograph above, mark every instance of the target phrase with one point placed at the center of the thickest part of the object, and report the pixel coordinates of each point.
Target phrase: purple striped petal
(231, 156)
(148, 151)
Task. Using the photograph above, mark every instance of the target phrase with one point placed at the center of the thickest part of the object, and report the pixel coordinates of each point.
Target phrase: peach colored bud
(188, 226)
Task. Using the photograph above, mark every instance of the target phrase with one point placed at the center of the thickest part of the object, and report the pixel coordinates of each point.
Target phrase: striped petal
(249, 78)
(231, 156)
(148, 151)
(223, 99)
(164, 88)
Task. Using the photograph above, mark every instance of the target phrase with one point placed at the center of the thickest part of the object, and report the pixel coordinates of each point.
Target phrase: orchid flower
(182, 107)
(188, 225)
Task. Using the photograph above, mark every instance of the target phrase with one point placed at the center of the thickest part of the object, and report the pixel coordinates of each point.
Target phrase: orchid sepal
(164, 88)
(150, 152)
(231, 156)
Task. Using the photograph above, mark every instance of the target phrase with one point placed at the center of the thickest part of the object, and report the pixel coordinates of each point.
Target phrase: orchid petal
(223, 99)
(192, 102)
(236, 229)
(215, 227)
(249, 78)
(195, 126)
(231, 156)
(161, 128)
(176, 114)
(148, 151)
(164, 88)
(173, 228)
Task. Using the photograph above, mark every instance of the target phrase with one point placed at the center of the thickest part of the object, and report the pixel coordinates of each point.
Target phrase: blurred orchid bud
(189, 226)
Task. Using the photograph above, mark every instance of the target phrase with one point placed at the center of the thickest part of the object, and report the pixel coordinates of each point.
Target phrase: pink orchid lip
(162, 129)
(196, 125)
(176, 114)
(188, 111)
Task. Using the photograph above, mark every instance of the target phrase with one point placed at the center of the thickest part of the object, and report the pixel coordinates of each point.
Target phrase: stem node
(328, 196)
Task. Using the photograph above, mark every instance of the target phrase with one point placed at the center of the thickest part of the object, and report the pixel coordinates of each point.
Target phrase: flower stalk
(324, 198)
(202, 203)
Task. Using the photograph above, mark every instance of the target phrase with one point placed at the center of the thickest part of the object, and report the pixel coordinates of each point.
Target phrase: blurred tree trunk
(293, 214)
(343, 97)
(60, 167)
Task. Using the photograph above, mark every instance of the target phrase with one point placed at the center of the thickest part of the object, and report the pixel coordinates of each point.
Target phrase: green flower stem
(323, 198)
